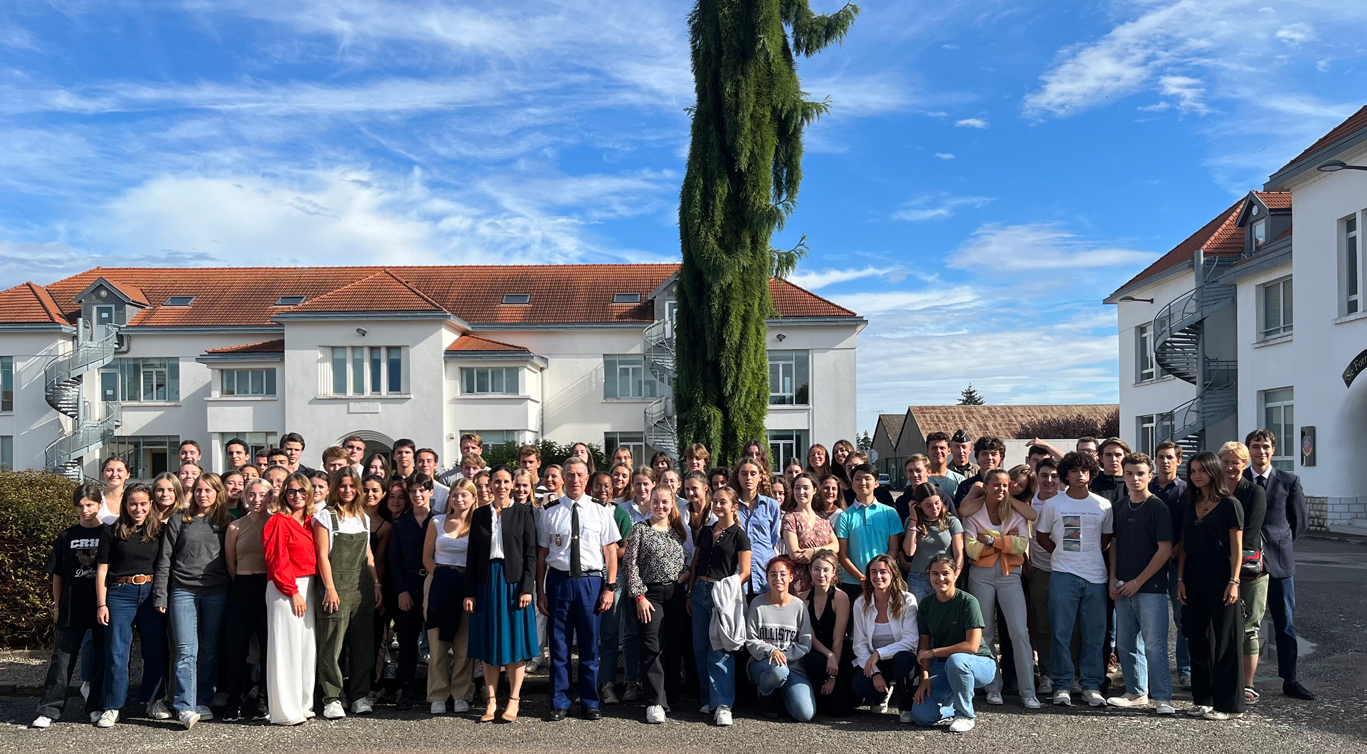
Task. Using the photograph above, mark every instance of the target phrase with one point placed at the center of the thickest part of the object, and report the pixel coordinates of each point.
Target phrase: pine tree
(744, 168)
(971, 397)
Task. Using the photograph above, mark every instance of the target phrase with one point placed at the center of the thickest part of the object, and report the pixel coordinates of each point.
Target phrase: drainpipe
(1199, 263)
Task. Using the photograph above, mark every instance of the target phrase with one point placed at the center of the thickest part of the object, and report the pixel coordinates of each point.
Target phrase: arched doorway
(375, 442)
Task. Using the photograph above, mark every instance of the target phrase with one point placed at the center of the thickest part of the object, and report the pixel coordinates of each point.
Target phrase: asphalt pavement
(1332, 593)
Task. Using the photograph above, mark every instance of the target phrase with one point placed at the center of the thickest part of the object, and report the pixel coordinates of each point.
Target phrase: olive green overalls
(352, 624)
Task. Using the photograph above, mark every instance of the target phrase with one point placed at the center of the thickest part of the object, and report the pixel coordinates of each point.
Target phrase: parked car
(883, 479)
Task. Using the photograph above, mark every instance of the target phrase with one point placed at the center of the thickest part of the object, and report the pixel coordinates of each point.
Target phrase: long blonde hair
(282, 502)
(469, 514)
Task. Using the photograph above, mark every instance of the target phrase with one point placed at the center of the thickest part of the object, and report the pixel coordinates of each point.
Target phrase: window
(626, 298)
(1276, 308)
(104, 315)
(493, 438)
(6, 383)
(289, 301)
(1145, 363)
(1279, 416)
(517, 298)
(496, 380)
(7, 453)
(179, 301)
(1259, 233)
(362, 370)
(248, 382)
(785, 444)
(141, 381)
(1351, 267)
(625, 377)
(789, 378)
(633, 441)
(1145, 439)
(256, 442)
(145, 455)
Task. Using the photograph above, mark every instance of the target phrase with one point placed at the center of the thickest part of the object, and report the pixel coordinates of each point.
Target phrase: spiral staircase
(88, 430)
(1179, 329)
(661, 423)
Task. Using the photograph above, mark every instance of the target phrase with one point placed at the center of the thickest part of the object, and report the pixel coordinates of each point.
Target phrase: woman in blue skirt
(500, 579)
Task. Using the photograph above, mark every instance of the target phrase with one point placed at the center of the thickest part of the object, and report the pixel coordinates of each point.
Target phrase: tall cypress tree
(744, 167)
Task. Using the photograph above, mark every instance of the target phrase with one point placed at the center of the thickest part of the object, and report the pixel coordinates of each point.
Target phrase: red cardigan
(289, 552)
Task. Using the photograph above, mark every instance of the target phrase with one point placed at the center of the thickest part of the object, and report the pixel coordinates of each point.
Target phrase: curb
(1336, 536)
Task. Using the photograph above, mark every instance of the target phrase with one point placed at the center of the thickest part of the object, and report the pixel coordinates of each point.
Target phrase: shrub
(551, 452)
(34, 508)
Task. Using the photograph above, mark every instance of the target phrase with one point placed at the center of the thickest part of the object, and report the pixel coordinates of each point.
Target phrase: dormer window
(289, 301)
(1259, 233)
(179, 301)
(626, 298)
(517, 299)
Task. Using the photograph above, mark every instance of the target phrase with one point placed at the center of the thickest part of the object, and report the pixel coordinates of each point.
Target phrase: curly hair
(1079, 462)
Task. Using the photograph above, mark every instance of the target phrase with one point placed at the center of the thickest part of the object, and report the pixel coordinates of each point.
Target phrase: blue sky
(988, 171)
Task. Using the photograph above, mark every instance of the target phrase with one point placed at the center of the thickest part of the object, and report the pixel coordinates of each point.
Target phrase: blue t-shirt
(867, 527)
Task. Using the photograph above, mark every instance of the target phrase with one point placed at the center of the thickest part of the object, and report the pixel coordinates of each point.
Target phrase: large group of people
(273, 590)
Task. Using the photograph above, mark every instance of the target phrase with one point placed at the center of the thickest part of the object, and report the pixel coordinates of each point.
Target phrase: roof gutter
(1278, 181)
(1154, 279)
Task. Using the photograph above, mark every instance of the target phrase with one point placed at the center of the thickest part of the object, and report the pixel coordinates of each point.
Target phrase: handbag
(1252, 566)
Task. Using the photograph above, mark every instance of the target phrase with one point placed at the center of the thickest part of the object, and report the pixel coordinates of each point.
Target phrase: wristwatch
(610, 587)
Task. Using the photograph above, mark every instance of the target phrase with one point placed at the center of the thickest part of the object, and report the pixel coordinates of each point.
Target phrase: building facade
(129, 362)
(1248, 325)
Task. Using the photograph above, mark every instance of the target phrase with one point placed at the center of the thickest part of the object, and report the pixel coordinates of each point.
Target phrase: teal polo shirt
(867, 527)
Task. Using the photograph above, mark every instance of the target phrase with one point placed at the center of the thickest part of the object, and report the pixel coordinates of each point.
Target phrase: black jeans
(408, 626)
(896, 671)
(662, 640)
(246, 618)
(66, 657)
(1215, 635)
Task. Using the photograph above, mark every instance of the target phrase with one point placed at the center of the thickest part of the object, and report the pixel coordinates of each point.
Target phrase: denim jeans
(196, 623)
(131, 605)
(716, 667)
(919, 586)
(1145, 668)
(619, 633)
(1073, 599)
(1183, 651)
(952, 682)
(798, 697)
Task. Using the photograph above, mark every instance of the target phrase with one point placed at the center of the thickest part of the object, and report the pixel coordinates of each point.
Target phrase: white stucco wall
(1165, 393)
(33, 424)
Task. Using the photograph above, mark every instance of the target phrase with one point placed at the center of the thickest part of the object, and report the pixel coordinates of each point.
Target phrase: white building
(132, 361)
(1274, 339)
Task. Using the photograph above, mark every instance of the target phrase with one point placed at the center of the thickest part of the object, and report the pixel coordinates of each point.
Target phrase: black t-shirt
(1111, 487)
(1137, 534)
(1253, 500)
(1206, 543)
(129, 557)
(75, 553)
(720, 560)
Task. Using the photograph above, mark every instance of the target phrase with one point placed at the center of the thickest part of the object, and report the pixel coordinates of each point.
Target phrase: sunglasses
(297, 491)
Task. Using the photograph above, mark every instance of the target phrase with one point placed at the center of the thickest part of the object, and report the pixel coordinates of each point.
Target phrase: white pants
(292, 656)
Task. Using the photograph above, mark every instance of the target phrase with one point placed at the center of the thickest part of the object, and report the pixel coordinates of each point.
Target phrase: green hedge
(551, 452)
(34, 509)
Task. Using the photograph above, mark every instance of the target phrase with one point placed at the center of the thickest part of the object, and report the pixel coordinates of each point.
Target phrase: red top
(289, 552)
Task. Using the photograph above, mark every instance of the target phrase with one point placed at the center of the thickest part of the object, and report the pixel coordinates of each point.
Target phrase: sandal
(510, 712)
(490, 710)
(1251, 696)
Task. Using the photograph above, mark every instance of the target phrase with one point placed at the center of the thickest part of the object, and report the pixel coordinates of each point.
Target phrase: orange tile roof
(1001, 421)
(30, 303)
(133, 293)
(471, 342)
(246, 296)
(1274, 199)
(1221, 237)
(265, 346)
(1354, 123)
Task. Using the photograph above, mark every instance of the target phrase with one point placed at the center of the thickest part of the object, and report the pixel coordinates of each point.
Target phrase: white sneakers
(1199, 710)
(362, 706)
(962, 724)
(460, 705)
(438, 708)
(204, 712)
(655, 714)
(333, 710)
(158, 710)
(188, 718)
(1166, 708)
(905, 717)
(608, 694)
(41, 721)
(1129, 700)
(108, 718)
(1062, 698)
(1030, 702)
(995, 697)
(1214, 715)
(722, 717)
(1093, 698)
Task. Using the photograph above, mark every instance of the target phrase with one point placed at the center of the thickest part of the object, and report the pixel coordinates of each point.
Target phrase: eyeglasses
(296, 491)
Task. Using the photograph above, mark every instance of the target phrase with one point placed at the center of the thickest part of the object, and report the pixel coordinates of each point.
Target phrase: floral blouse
(652, 557)
(817, 534)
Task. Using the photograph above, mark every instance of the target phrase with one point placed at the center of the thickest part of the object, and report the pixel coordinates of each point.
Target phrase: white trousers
(292, 657)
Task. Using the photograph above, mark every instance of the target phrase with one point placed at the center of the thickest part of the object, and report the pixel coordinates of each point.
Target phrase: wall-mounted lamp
(360, 331)
(1334, 166)
(1132, 299)
(780, 337)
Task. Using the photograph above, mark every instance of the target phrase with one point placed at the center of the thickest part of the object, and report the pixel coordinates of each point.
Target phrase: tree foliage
(744, 169)
(1071, 427)
(971, 397)
(34, 508)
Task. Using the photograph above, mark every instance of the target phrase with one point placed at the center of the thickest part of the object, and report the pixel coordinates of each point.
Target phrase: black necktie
(1262, 481)
(576, 569)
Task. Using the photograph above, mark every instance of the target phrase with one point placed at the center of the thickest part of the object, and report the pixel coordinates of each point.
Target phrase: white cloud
(971, 123)
(1186, 90)
(1322, 66)
(944, 155)
(909, 301)
(814, 280)
(1296, 34)
(1037, 246)
(937, 206)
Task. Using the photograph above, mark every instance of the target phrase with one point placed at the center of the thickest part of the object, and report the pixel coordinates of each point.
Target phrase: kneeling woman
(954, 658)
(291, 563)
(885, 635)
(779, 637)
(351, 592)
(500, 580)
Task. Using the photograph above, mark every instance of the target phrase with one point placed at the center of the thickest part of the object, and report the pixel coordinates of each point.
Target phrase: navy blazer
(1287, 519)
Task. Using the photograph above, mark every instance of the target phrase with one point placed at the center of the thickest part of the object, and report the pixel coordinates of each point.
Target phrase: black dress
(1213, 629)
(840, 701)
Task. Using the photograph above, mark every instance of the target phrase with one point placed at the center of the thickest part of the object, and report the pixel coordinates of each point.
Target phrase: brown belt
(138, 580)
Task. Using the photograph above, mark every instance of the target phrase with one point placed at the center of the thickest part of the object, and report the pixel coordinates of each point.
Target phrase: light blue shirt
(867, 527)
(763, 524)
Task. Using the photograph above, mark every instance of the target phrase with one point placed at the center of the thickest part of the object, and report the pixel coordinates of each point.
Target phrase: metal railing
(662, 429)
(85, 437)
(95, 347)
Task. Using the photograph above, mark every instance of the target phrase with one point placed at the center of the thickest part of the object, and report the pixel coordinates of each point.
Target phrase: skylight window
(179, 301)
(289, 301)
(626, 298)
(517, 298)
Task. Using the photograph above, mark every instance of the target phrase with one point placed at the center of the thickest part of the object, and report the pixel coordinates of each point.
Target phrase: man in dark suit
(1287, 519)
